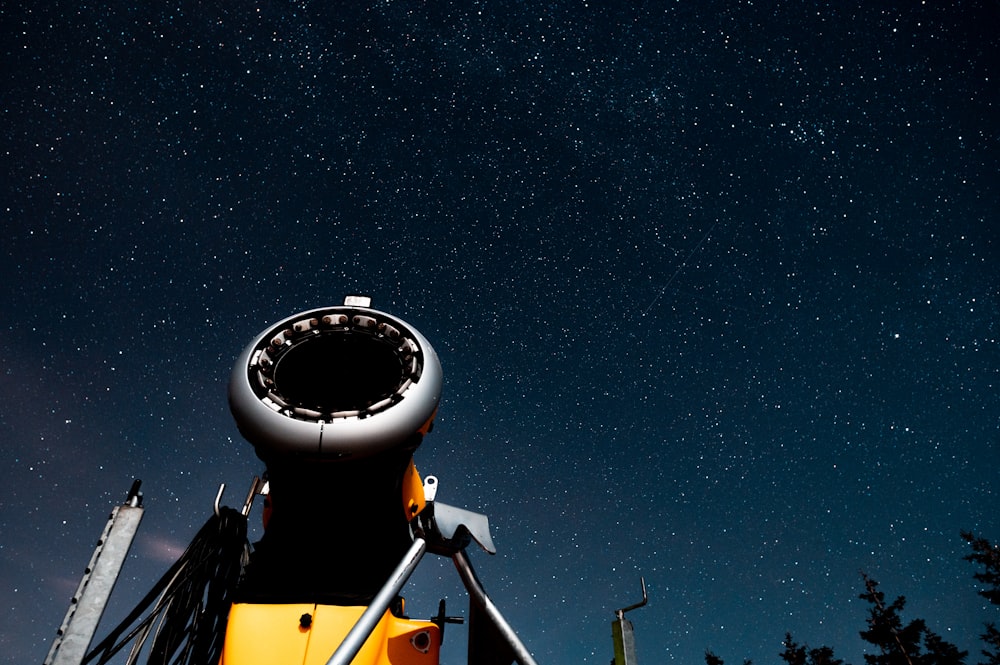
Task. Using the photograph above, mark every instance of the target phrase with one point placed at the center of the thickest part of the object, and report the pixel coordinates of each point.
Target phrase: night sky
(714, 285)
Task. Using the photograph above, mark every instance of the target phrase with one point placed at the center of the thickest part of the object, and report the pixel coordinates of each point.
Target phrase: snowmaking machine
(334, 401)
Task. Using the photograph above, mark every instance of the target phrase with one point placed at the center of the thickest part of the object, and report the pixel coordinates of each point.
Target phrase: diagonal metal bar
(478, 594)
(360, 632)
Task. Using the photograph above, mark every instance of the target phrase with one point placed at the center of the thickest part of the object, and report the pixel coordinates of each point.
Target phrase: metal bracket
(430, 488)
(257, 486)
(441, 619)
(448, 529)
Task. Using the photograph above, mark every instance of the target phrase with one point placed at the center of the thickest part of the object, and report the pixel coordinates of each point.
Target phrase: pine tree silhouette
(899, 644)
(801, 654)
(987, 555)
(823, 656)
(712, 659)
(794, 654)
(913, 643)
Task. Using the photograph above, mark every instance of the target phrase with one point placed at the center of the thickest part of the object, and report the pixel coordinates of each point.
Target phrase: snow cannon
(335, 401)
(335, 384)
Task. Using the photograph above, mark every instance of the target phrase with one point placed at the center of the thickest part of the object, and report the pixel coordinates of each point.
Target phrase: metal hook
(218, 500)
(645, 599)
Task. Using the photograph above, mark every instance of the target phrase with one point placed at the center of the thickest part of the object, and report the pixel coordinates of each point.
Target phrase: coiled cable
(190, 603)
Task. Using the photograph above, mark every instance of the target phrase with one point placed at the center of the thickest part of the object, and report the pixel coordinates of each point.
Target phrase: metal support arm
(478, 594)
(360, 632)
(443, 530)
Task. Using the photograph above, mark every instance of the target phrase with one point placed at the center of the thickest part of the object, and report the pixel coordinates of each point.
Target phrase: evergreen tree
(899, 644)
(712, 659)
(992, 639)
(793, 654)
(940, 652)
(987, 555)
(796, 654)
(823, 656)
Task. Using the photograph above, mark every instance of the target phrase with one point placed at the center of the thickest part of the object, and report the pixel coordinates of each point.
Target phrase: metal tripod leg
(478, 593)
(359, 634)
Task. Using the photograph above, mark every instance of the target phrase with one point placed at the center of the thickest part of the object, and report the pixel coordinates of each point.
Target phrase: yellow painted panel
(273, 635)
(259, 634)
(413, 491)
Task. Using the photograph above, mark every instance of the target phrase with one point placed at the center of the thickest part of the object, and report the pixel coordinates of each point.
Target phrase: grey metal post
(360, 632)
(91, 597)
(478, 593)
(623, 639)
(623, 634)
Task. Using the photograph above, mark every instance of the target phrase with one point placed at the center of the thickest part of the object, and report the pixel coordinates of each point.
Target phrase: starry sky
(714, 286)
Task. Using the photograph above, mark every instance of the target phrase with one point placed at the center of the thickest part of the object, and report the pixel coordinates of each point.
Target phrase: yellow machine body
(413, 492)
(308, 634)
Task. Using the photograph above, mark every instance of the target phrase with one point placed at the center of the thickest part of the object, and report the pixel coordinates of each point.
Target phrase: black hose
(192, 600)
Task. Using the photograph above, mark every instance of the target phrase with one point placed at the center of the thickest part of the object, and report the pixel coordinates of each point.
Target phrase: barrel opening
(338, 372)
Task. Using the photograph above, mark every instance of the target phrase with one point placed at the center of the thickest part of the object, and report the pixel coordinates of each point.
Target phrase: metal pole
(623, 640)
(623, 634)
(478, 593)
(359, 634)
(91, 597)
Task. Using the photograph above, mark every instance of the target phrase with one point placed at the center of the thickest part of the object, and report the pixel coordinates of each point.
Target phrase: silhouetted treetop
(801, 654)
(793, 654)
(988, 556)
(899, 644)
(907, 643)
(712, 659)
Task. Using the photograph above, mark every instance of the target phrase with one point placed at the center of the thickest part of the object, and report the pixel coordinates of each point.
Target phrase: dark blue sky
(714, 286)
